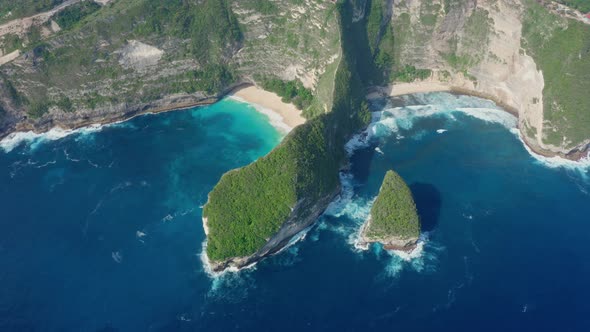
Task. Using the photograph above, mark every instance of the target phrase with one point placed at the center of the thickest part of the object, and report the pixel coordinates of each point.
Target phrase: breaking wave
(391, 119)
(33, 139)
(581, 166)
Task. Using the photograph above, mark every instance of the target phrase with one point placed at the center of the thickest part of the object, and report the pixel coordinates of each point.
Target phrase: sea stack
(393, 221)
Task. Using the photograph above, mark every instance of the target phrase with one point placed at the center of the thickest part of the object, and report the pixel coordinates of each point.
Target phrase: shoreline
(28, 127)
(401, 89)
(283, 115)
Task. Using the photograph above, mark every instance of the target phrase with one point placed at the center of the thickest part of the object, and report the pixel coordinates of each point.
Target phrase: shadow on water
(428, 202)
(360, 163)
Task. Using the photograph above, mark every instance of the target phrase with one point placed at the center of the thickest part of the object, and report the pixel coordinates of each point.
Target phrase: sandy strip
(288, 113)
(399, 89)
(9, 57)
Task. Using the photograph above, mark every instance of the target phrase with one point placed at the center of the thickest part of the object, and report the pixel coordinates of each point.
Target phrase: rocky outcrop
(391, 242)
(294, 225)
(106, 115)
(393, 221)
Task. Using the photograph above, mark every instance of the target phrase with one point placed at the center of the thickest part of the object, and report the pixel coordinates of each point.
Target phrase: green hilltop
(393, 214)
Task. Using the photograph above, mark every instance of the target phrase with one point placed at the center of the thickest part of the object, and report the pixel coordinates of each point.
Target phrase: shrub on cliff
(289, 91)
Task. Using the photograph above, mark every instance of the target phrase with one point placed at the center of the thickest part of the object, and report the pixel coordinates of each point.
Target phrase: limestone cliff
(489, 48)
(130, 57)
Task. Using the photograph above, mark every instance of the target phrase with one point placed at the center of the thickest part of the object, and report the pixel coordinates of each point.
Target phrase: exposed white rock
(139, 56)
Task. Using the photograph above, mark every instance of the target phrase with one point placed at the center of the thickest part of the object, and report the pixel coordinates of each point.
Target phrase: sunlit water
(101, 229)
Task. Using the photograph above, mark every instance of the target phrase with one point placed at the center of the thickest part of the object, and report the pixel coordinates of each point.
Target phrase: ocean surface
(100, 229)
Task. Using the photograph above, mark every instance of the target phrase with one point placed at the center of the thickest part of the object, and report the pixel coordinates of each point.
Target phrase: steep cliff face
(132, 56)
(481, 47)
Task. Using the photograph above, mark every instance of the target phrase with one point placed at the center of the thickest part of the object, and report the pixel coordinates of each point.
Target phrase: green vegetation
(11, 42)
(290, 92)
(249, 205)
(407, 35)
(36, 110)
(452, 4)
(561, 49)
(380, 40)
(410, 73)
(84, 53)
(211, 26)
(13, 9)
(429, 13)
(265, 7)
(394, 211)
(65, 104)
(374, 21)
(14, 95)
(212, 78)
(581, 5)
(73, 14)
(470, 50)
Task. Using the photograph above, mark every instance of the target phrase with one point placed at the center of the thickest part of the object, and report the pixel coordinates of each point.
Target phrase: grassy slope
(394, 211)
(581, 5)
(81, 58)
(24, 8)
(561, 49)
(249, 205)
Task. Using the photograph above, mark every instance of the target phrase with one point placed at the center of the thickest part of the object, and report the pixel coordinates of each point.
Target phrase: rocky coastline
(290, 228)
(124, 112)
(390, 243)
(576, 154)
(113, 113)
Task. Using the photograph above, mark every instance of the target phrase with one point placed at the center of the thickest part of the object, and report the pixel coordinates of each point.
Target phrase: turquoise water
(101, 230)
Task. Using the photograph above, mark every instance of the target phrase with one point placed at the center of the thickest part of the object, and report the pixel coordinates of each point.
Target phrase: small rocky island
(393, 221)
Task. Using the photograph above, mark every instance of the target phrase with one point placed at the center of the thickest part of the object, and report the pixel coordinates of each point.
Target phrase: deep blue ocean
(100, 230)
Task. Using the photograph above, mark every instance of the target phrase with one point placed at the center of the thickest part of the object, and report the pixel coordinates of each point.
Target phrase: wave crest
(33, 139)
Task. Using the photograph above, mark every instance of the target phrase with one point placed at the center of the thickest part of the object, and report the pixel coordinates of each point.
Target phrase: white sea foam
(394, 119)
(581, 166)
(358, 210)
(274, 118)
(117, 256)
(288, 248)
(295, 239)
(389, 121)
(13, 140)
(491, 115)
(214, 274)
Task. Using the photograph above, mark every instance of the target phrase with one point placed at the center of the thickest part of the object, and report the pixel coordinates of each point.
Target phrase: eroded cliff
(130, 57)
(503, 50)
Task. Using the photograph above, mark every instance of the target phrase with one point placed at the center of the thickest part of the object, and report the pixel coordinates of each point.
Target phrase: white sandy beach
(265, 100)
(399, 89)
